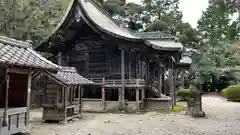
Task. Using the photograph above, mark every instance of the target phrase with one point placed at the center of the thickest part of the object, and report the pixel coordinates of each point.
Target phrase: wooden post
(143, 97)
(65, 104)
(86, 62)
(79, 99)
(129, 66)
(119, 95)
(122, 77)
(174, 85)
(80, 108)
(29, 96)
(159, 82)
(137, 100)
(172, 82)
(103, 97)
(5, 114)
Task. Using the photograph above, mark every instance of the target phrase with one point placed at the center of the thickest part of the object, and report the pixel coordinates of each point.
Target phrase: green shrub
(232, 93)
(184, 94)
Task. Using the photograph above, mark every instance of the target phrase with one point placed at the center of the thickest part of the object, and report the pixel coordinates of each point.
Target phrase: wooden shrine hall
(17, 63)
(127, 68)
(62, 93)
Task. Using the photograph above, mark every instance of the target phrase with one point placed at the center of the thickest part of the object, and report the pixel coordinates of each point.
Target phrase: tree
(219, 33)
(30, 19)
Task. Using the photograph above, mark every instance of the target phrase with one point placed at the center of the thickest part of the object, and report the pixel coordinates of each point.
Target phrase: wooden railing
(118, 82)
(17, 121)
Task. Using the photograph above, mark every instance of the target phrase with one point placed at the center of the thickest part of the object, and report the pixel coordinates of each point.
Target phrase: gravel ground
(223, 118)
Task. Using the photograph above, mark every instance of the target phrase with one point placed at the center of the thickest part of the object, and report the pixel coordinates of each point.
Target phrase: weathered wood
(29, 97)
(143, 97)
(103, 97)
(18, 71)
(122, 76)
(5, 115)
(159, 82)
(137, 100)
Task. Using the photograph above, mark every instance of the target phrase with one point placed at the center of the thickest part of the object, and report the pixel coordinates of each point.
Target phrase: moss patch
(177, 108)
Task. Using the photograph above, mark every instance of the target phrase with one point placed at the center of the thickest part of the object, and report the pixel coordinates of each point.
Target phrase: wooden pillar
(159, 81)
(129, 66)
(79, 99)
(103, 97)
(148, 72)
(86, 62)
(143, 97)
(172, 82)
(65, 104)
(119, 95)
(5, 114)
(122, 76)
(174, 85)
(137, 100)
(29, 96)
(81, 95)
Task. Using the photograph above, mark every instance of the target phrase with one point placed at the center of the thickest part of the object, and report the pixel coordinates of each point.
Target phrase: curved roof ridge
(100, 19)
(103, 11)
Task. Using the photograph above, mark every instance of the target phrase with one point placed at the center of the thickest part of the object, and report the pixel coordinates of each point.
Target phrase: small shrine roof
(18, 53)
(70, 76)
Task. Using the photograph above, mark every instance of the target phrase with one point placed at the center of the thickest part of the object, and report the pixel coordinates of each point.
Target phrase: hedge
(232, 93)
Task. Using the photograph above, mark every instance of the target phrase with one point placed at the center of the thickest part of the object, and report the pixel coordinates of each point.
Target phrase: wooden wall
(2, 86)
(18, 89)
(96, 59)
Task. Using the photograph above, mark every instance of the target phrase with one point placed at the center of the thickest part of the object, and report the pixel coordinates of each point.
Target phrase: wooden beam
(18, 70)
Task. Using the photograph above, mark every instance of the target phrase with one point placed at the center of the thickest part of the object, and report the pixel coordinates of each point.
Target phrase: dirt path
(223, 119)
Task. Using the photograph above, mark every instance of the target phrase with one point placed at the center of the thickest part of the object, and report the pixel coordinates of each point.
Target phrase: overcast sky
(192, 9)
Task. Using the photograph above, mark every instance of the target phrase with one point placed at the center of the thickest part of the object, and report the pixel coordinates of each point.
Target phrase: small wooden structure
(17, 62)
(62, 95)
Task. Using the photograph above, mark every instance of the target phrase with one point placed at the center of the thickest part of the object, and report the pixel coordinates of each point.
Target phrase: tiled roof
(69, 76)
(154, 35)
(165, 44)
(160, 40)
(18, 53)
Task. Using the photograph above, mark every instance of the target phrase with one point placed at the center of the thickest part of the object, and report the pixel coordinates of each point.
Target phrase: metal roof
(18, 53)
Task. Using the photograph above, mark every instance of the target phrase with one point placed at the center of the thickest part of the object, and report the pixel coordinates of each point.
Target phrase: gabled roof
(100, 20)
(69, 76)
(18, 53)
